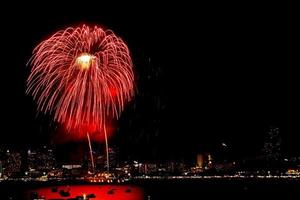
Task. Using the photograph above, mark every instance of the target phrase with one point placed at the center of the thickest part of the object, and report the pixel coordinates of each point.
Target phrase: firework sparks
(82, 76)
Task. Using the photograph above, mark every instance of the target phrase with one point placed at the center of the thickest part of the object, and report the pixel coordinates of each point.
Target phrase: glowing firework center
(84, 61)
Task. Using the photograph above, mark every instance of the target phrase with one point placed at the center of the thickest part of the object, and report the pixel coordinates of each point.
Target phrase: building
(41, 159)
(204, 161)
(272, 145)
(101, 161)
(113, 157)
(147, 168)
(73, 170)
(1, 172)
(200, 161)
(209, 161)
(11, 164)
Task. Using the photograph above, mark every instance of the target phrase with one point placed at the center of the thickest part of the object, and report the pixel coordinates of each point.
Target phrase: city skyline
(41, 163)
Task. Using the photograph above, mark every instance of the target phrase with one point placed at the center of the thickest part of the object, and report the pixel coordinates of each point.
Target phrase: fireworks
(82, 76)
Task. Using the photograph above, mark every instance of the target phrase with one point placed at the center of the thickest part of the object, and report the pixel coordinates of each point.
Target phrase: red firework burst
(82, 76)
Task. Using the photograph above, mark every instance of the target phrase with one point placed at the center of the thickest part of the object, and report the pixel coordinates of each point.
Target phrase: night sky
(204, 76)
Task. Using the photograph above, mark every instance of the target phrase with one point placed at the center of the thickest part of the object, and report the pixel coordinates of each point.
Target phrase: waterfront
(158, 189)
(95, 192)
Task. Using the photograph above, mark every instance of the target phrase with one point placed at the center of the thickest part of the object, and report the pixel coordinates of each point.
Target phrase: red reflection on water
(101, 192)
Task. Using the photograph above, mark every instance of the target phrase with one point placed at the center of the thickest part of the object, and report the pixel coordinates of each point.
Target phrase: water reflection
(87, 192)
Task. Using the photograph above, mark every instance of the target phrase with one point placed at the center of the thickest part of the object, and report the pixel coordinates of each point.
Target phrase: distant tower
(113, 157)
(0, 169)
(200, 161)
(272, 145)
(210, 161)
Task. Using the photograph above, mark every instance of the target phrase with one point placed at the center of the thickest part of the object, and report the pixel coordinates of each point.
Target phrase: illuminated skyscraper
(1, 169)
(113, 157)
(209, 161)
(200, 161)
(272, 145)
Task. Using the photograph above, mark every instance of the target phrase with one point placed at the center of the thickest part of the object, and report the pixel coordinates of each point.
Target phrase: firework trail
(81, 76)
(91, 152)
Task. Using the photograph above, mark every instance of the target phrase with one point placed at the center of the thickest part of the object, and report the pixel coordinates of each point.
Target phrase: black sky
(204, 76)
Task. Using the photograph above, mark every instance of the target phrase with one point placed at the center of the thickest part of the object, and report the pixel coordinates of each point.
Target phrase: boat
(111, 191)
(64, 193)
(128, 190)
(91, 195)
